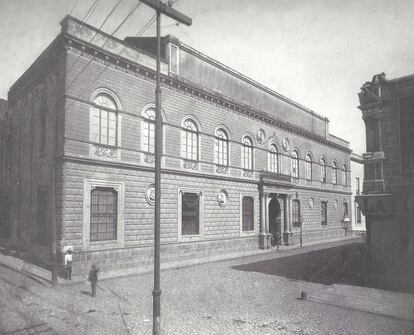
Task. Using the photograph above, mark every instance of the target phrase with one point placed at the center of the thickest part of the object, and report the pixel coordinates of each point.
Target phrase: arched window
(273, 159)
(189, 142)
(247, 153)
(308, 167)
(148, 131)
(104, 120)
(221, 147)
(334, 173)
(323, 170)
(295, 164)
(344, 175)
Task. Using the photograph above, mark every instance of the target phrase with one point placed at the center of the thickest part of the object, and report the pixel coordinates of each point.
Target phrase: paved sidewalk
(45, 275)
(381, 302)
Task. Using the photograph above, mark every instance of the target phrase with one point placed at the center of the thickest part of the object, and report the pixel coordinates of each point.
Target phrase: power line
(90, 61)
(73, 7)
(93, 37)
(140, 32)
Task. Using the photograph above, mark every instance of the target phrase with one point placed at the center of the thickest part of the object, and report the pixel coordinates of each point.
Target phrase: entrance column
(263, 219)
(267, 233)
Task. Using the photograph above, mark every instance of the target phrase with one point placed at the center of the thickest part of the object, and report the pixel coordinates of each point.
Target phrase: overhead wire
(73, 7)
(140, 32)
(100, 27)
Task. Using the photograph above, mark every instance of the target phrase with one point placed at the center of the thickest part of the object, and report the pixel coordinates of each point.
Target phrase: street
(229, 297)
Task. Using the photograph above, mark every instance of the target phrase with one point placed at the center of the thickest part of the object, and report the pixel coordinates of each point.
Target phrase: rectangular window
(358, 191)
(247, 214)
(104, 216)
(190, 214)
(174, 59)
(345, 208)
(296, 213)
(358, 214)
(324, 213)
(42, 231)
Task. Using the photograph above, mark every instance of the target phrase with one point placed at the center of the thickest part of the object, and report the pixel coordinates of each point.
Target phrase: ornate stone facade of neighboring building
(240, 161)
(388, 190)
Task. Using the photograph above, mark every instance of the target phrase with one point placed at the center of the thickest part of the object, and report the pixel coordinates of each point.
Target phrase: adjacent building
(240, 161)
(387, 199)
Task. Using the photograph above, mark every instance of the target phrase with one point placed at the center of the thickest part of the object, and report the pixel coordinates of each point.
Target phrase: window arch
(221, 147)
(334, 173)
(344, 175)
(104, 119)
(323, 170)
(273, 159)
(308, 167)
(148, 130)
(189, 140)
(247, 153)
(295, 164)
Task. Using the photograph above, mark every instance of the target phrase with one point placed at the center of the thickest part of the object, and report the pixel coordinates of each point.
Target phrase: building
(388, 190)
(357, 168)
(240, 161)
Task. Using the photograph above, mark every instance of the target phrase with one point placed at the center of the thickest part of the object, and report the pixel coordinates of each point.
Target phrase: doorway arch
(275, 225)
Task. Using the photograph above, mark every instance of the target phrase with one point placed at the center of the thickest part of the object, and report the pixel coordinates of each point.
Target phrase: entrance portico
(275, 208)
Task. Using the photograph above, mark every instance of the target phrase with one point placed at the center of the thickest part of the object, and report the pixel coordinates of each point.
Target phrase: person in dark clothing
(93, 278)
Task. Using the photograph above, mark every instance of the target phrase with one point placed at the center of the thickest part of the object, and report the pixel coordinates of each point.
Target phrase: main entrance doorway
(275, 221)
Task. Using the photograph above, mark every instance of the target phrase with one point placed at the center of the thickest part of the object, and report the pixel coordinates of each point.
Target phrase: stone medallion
(261, 136)
(285, 144)
(222, 198)
(150, 194)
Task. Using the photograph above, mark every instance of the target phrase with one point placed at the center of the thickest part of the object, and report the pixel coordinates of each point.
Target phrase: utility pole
(160, 8)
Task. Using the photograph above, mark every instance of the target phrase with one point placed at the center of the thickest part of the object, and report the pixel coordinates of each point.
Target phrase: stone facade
(61, 155)
(388, 197)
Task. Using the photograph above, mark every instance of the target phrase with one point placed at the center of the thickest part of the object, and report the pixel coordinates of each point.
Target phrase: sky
(317, 53)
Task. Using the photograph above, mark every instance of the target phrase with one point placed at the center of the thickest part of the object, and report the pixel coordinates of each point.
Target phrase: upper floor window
(189, 143)
(323, 170)
(221, 147)
(148, 131)
(273, 159)
(295, 164)
(247, 153)
(104, 120)
(308, 167)
(344, 175)
(174, 59)
(334, 173)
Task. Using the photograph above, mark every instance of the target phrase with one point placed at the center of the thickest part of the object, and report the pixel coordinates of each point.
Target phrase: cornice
(190, 89)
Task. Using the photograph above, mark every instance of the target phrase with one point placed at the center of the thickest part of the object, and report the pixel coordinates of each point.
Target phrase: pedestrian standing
(93, 278)
(68, 264)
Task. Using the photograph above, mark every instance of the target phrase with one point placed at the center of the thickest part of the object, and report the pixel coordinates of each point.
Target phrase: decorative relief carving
(285, 144)
(261, 136)
(222, 169)
(188, 164)
(247, 173)
(149, 158)
(222, 198)
(311, 203)
(105, 152)
(150, 194)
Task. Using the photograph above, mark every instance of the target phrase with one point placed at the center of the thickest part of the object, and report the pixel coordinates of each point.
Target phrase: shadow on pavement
(328, 266)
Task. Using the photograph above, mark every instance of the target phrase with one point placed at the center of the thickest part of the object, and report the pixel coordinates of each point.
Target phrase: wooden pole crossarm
(163, 8)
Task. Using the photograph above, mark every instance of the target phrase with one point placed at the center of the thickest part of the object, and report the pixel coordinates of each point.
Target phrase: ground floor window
(190, 213)
(358, 215)
(104, 214)
(324, 212)
(295, 213)
(247, 214)
(345, 209)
